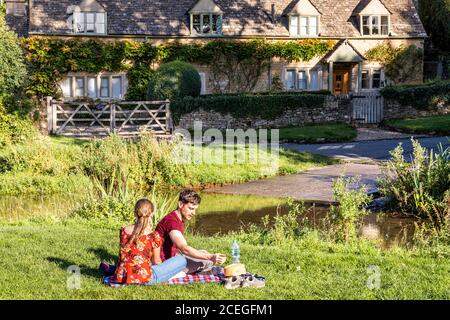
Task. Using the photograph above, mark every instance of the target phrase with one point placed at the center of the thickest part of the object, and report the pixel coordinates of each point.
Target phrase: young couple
(151, 257)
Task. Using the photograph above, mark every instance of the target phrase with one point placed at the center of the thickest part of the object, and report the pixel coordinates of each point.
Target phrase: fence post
(169, 125)
(49, 115)
(112, 108)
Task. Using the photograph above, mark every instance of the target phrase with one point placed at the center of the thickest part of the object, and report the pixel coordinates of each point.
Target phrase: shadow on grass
(103, 254)
(85, 270)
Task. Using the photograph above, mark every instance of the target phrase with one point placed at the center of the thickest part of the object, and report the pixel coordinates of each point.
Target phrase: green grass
(334, 132)
(439, 125)
(36, 255)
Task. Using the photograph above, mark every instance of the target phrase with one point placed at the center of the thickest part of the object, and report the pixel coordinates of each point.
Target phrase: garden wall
(333, 110)
(394, 110)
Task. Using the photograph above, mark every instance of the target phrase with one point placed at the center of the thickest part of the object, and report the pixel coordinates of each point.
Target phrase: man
(171, 230)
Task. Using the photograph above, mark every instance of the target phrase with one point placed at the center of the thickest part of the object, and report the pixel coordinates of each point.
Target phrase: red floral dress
(134, 265)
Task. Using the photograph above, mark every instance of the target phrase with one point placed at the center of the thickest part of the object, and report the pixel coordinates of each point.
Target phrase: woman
(139, 248)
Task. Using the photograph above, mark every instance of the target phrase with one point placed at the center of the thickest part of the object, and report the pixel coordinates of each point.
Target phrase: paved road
(367, 150)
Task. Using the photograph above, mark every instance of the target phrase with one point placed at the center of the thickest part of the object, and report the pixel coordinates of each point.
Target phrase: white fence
(88, 119)
(367, 108)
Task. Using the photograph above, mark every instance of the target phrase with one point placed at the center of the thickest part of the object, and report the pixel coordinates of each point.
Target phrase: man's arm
(180, 242)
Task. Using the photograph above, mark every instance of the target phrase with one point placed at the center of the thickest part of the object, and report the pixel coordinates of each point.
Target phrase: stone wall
(394, 110)
(334, 109)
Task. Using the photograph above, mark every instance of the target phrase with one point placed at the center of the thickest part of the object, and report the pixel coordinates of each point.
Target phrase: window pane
(375, 25)
(117, 87)
(217, 24)
(92, 88)
(196, 22)
(206, 26)
(90, 19)
(313, 26)
(366, 26)
(376, 79)
(384, 25)
(66, 87)
(290, 79)
(293, 28)
(79, 87)
(302, 80)
(365, 79)
(314, 85)
(100, 23)
(203, 80)
(78, 22)
(104, 87)
(304, 26)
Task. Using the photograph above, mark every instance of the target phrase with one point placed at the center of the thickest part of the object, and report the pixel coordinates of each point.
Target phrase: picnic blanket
(188, 279)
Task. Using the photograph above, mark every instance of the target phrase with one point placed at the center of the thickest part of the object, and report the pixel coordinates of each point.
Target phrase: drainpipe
(330, 77)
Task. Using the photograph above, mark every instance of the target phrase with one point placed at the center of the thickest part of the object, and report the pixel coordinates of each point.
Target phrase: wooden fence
(367, 108)
(128, 119)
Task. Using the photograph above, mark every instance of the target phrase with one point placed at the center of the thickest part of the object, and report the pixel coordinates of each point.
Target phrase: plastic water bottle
(235, 252)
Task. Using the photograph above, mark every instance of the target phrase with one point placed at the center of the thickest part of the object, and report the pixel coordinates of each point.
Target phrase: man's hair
(190, 196)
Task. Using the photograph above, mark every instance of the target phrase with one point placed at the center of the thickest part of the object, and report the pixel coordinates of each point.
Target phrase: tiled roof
(241, 17)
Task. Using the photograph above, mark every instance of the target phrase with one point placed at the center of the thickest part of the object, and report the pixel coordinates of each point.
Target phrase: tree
(435, 16)
(12, 66)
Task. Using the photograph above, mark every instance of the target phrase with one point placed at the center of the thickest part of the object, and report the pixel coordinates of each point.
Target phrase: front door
(341, 82)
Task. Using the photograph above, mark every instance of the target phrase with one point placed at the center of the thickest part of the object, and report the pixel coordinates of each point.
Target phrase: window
(371, 78)
(203, 80)
(89, 22)
(206, 24)
(365, 80)
(303, 79)
(375, 25)
(16, 8)
(94, 86)
(304, 26)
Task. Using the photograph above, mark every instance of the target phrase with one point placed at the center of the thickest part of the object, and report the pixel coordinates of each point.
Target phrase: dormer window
(375, 19)
(375, 25)
(89, 18)
(206, 19)
(304, 20)
(305, 26)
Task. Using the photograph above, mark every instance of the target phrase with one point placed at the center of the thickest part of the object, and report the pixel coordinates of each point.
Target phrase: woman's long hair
(143, 211)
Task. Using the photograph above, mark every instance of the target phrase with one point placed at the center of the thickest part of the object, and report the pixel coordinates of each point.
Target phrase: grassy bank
(333, 132)
(438, 125)
(36, 255)
(46, 165)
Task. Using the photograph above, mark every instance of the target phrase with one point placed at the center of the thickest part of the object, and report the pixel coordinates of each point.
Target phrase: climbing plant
(402, 64)
(239, 63)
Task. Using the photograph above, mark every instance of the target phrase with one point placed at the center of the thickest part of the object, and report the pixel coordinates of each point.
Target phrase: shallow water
(219, 214)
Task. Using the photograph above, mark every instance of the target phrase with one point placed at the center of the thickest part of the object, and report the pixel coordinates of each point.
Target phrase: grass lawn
(35, 256)
(333, 132)
(439, 125)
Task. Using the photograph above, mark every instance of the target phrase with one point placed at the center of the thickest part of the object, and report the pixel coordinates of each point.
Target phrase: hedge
(423, 96)
(265, 106)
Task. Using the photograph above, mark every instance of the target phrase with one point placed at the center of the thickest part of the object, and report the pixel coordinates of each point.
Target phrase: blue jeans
(166, 270)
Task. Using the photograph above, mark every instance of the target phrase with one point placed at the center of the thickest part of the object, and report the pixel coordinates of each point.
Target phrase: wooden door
(341, 82)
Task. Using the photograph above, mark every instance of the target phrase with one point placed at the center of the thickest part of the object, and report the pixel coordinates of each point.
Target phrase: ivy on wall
(402, 64)
(49, 60)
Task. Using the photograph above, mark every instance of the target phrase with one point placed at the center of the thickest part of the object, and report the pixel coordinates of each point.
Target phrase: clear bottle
(235, 252)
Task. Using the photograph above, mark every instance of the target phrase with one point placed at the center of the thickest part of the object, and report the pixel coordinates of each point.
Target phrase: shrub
(424, 96)
(174, 80)
(421, 187)
(265, 106)
(14, 129)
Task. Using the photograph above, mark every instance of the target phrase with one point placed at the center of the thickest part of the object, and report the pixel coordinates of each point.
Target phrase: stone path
(312, 185)
(368, 134)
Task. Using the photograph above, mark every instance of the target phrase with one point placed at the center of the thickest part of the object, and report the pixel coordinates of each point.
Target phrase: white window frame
(370, 72)
(84, 30)
(379, 25)
(307, 71)
(85, 76)
(308, 25)
(210, 33)
(15, 8)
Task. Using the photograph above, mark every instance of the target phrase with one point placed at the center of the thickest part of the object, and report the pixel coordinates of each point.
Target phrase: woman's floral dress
(134, 265)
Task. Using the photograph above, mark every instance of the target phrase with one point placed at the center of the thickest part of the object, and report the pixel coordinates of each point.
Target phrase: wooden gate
(128, 119)
(367, 108)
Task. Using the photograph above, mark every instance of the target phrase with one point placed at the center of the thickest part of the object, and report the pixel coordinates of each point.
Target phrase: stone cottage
(355, 25)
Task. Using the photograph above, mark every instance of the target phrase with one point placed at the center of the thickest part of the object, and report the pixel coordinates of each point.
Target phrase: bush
(420, 187)
(265, 106)
(174, 80)
(14, 129)
(424, 96)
